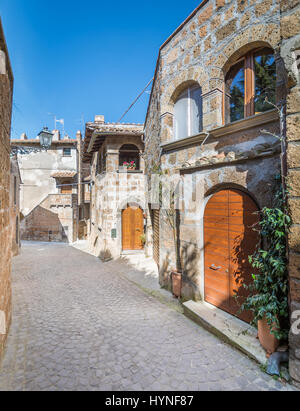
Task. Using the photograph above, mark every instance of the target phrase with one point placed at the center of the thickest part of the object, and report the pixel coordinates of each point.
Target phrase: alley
(78, 324)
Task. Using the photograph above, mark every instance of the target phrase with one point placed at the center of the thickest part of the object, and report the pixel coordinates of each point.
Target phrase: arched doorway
(132, 228)
(228, 240)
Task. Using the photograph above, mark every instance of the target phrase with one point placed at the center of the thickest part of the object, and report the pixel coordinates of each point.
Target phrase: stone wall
(43, 174)
(113, 189)
(54, 219)
(200, 52)
(290, 52)
(6, 92)
(15, 182)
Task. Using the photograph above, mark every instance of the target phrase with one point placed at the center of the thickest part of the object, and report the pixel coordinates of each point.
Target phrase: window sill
(240, 125)
(130, 171)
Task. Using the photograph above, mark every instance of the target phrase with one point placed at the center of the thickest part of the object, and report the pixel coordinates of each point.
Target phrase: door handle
(213, 267)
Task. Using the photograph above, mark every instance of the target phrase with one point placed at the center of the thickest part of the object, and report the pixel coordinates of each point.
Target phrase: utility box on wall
(114, 233)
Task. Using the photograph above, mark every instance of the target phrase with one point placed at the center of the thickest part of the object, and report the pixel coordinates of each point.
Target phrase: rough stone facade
(48, 198)
(199, 53)
(113, 188)
(6, 94)
(290, 52)
(243, 155)
(15, 185)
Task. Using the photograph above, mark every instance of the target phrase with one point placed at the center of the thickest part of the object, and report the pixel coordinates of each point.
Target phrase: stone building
(117, 198)
(209, 125)
(49, 193)
(15, 186)
(6, 94)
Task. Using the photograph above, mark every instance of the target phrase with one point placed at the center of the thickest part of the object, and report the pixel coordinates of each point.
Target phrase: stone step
(230, 329)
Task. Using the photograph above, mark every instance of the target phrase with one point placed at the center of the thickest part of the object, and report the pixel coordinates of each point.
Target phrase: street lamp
(45, 138)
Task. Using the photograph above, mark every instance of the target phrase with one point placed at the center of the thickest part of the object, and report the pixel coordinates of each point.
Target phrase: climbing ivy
(269, 289)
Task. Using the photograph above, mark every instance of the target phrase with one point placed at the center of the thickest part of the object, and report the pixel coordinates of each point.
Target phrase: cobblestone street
(78, 324)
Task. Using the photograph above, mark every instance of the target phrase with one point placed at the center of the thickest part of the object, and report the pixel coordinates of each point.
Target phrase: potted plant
(143, 239)
(268, 299)
(129, 165)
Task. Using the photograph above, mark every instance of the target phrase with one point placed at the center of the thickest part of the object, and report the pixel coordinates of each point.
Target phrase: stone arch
(267, 35)
(129, 140)
(180, 89)
(134, 200)
(183, 81)
(130, 152)
(227, 186)
(246, 48)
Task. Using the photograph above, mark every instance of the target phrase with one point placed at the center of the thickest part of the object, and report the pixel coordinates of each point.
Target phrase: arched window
(188, 113)
(129, 157)
(249, 82)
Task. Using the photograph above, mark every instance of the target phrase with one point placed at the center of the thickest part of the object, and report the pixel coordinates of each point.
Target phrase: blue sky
(75, 59)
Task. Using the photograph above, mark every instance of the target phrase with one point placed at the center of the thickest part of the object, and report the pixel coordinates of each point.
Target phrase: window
(66, 187)
(249, 83)
(67, 152)
(129, 154)
(188, 113)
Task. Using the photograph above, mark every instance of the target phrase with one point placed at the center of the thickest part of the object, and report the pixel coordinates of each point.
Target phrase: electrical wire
(138, 97)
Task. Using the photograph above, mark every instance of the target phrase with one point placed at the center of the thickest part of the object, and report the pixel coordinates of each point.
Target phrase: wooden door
(228, 240)
(132, 228)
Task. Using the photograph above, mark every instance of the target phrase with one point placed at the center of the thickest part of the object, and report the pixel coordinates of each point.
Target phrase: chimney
(56, 135)
(78, 136)
(99, 119)
(24, 136)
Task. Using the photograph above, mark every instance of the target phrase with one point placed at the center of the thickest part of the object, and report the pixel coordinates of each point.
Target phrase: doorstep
(231, 329)
(132, 252)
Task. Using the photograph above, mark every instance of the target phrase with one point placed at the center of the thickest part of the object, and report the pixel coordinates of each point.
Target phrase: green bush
(269, 290)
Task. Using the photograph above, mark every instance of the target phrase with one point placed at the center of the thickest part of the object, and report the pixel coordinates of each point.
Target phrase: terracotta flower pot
(268, 341)
(176, 283)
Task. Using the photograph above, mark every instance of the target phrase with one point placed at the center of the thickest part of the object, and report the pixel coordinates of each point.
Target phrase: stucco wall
(36, 170)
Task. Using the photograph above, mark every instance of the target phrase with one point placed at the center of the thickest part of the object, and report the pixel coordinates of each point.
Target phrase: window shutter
(196, 111)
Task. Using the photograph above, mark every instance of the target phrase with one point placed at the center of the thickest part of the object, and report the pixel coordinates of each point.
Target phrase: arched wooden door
(228, 240)
(132, 228)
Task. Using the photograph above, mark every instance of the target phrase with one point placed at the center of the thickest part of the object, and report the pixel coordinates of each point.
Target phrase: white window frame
(189, 114)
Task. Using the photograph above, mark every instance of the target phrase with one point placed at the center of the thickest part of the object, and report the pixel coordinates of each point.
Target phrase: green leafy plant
(170, 214)
(269, 291)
